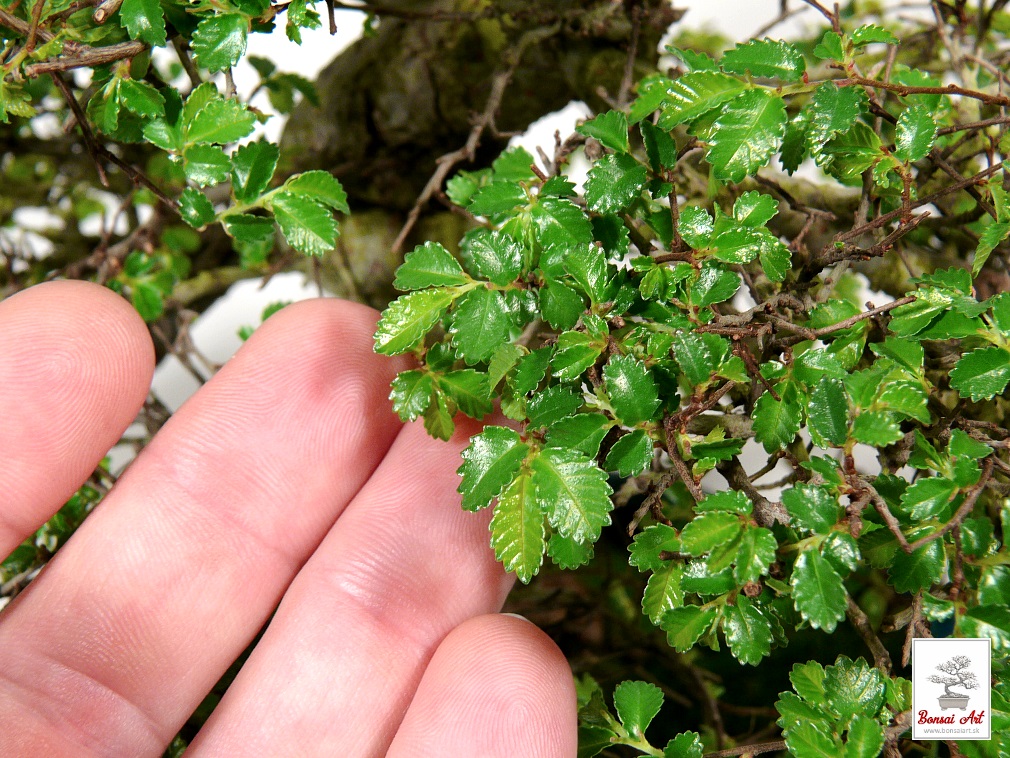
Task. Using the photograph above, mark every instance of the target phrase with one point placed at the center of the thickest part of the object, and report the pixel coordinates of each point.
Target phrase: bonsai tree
(751, 361)
(956, 674)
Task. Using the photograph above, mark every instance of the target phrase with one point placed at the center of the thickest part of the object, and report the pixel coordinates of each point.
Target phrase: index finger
(75, 367)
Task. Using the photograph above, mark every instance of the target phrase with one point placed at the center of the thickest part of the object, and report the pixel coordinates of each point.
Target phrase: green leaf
(497, 197)
(869, 33)
(631, 388)
(915, 133)
(560, 305)
(699, 577)
(714, 285)
(614, 182)
(148, 300)
(695, 94)
(594, 739)
(982, 374)
(252, 169)
(806, 740)
(776, 259)
(144, 20)
(685, 745)
(517, 529)
(320, 186)
(828, 413)
(962, 445)
(659, 146)
(808, 681)
(906, 398)
(920, 570)
(408, 318)
(307, 226)
(567, 553)
(530, 370)
(830, 47)
(865, 738)
(141, 98)
(588, 267)
(637, 704)
(928, 497)
(694, 358)
(247, 228)
(876, 428)
(650, 544)
(730, 501)
(747, 631)
(438, 418)
(206, 165)
(480, 324)
(195, 208)
(770, 59)
(573, 492)
(513, 165)
(429, 265)
(610, 128)
(411, 394)
(685, 626)
(560, 221)
(850, 153)
(990, 237)
(854, 688)
(833, 111)
(218, 122)
(469, 390)
(494, 255)
(573, 354)
(754, 209)
(811, 507)
(220, 41)
(739, 244)
(746, 135)
(631, 454)
(755, 555)
(552, 405)
(582, 432)
(696, 226)
(708, 530)
(818, 592)
(777, 422)
(490, 463)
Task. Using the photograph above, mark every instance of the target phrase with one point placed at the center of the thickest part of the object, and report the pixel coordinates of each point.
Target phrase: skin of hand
(285, 491)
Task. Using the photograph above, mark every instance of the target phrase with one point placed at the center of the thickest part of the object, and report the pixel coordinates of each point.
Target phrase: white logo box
(951, 688)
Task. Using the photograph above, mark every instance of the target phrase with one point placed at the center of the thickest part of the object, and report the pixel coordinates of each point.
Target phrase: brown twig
(447, 162)
(906, 90)
(99, 152)
(105, 9)
(762, 747)
(962, 513)
(683, 472)
(859, 620)
(766, 512)
(86, 57)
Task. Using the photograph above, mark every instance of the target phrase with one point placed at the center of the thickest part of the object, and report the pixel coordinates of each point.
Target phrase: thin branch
(906, 90)
(766, 512)
(685, 474)
(963, 511)
(995, 121)
(627, 80)
(99, 151)
(34, 28)
(763, 747)
(87, 57)
(105, 9)
(859, 620)
(447, 162)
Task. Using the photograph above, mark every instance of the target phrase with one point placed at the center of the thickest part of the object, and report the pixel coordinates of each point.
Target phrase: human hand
(386, 639)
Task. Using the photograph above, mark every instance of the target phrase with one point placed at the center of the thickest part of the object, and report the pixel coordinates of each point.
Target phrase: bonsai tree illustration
(956, 673)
